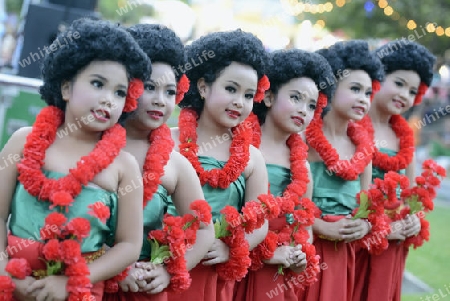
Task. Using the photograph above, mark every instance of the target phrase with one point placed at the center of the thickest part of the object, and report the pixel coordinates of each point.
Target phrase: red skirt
(32, 250)
(265, 285)
(361, 273)
(336, 280)
(385, 273)
(122, 296)
(203, 286)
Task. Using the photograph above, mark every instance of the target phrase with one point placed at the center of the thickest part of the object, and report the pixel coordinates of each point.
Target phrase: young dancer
(227, 77)
(287, 109)
(165, 172)
(71, 167)
(340, 154)
(409, 71)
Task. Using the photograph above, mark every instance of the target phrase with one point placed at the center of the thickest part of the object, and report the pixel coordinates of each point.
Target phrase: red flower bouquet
(419, 199)
(169, 244)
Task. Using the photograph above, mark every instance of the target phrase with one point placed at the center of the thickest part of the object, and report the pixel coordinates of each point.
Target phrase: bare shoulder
(126, 161)
(256, 160)
(18, 139)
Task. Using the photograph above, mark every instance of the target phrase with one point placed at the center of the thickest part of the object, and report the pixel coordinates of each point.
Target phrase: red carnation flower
(18, 268)
(62, 199)
(78, 269)
(79, 228)
(52, 250)
(7, 288)
(70, 251)
(78, 284)
(263, 85)
(202, 210)
(182, 88)
(100, 211)
(232, 216)
(135, 90)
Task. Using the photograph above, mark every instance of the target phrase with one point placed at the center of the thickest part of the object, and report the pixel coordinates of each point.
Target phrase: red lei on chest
(60, 245)
(404, 133)
(239, 151)
(158, 154)
(42, 136)
(346, 169)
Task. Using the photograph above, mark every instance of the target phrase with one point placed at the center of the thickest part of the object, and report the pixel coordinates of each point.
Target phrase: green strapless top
(332, 194)
(379, 173)
(218, 198)
(28, 214)
(153, 215)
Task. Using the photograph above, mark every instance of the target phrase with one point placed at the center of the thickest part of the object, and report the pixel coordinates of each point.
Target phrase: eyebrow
(233, 82)
(159, 84)
(106, 80)
(404, 81)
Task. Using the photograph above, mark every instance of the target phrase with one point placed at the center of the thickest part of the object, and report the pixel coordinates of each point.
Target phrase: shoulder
(18, 139)
(127, 161)
(256, 161)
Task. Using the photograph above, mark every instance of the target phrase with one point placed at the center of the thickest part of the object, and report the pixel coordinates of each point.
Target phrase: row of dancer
(123, 181)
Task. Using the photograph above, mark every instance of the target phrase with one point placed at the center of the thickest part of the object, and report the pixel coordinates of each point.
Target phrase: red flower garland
(404, 156)
(182, 88)
(263, 86)
(60, 193)
(420, 198)
(229, 229)
(253, 123)
(158, 154)
(135, 90)
(346, 169)
(7, 288)
(239, 151)
(177, 234)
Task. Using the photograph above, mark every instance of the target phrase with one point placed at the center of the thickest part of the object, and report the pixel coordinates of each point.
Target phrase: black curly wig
(352, 55)
(223, 48)
(406, 55)
(161, 44)
(285, 65)
(97, 41)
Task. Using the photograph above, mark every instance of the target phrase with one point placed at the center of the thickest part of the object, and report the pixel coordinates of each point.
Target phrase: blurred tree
(14, 6)
(124, 11)
(365, 19)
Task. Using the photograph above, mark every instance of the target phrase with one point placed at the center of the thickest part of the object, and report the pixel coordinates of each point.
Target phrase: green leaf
(280, 269)
(414, 204)
(363, 210)
(220, 228)
(158, 252)
(54, 268)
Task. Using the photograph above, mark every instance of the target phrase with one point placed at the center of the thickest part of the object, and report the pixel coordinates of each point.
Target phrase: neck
(334, 125)
(208, 129)
(71, 130)
(136, 132)
(378, 117)
(270, 132)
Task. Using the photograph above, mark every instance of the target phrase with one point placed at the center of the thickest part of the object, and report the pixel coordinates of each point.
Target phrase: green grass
(431, 262)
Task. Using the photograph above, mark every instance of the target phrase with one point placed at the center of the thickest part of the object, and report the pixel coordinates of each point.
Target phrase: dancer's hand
(412, 225)
(21, 292)
(283, 255)
(218, 253)
(352, 230)
(299, 258)
(397, 232)
(157, 279)
(132, 282)
(50, 288)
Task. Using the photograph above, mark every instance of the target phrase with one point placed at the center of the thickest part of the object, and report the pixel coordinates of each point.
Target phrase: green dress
(379, 173)
(28, 214)
(153, 216)
(332, 194)
(218, 198)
